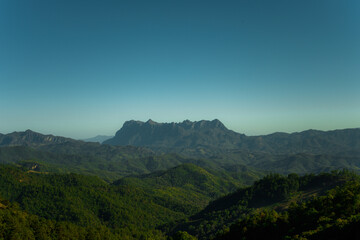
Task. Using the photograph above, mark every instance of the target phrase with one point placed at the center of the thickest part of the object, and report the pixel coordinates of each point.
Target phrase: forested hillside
(167, 204)
(132, 206)
(107, 162)
(186, 185)
(333, 216)
(85, 201)
(18, 224)
(273, 193)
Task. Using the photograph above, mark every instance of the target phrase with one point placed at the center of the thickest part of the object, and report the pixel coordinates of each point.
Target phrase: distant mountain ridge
(208, 144)
(30, 138)
(214, 135)
(204, 135)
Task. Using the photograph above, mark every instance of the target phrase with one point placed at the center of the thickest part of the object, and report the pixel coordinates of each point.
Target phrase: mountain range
(145, 147)
(180, 137)
(192, 138)
(166, 180)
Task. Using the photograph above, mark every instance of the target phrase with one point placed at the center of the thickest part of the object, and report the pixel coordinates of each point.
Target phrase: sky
(82, 68)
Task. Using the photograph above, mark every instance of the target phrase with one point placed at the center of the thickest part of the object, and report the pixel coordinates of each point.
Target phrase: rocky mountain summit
(176, 135)
(214, 135)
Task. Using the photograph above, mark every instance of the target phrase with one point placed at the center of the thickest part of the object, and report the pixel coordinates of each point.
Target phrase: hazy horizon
(80, 69)
(113, 134)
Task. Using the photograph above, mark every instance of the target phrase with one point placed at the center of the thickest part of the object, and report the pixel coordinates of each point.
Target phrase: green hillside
(107, 162)
(113, 162)
(173, 204)
(273, 192)
(84, 200)
(18, 224)
(333, 216)
(131, 206)
(185, 184)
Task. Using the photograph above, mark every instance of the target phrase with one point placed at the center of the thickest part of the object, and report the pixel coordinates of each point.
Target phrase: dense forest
(38, 205)
(333, 216)
(273, 192)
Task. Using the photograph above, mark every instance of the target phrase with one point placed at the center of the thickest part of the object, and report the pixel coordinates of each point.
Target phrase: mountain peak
(187, 121)
(151, 122)
(30, 138)
(184, 134)
(132, 122)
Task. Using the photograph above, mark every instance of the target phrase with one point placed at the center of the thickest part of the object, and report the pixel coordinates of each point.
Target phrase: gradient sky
(82, 68)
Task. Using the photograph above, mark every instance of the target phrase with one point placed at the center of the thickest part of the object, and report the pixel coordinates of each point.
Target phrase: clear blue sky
(82, 68)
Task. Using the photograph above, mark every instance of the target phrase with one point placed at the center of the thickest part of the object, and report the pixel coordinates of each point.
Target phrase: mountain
(98, 138)
(212, 137)
(30, 138)
(186, 134)
(310, 141)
